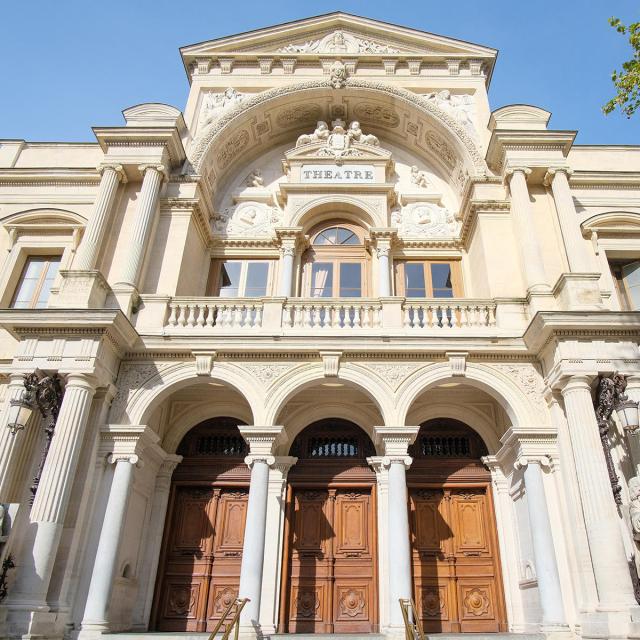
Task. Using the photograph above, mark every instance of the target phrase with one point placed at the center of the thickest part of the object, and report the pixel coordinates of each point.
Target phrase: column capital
(511, 171)
(117, 168)
(396, 440)
(522, 462)
(160, 168)
(84, 380)
(283, 464)
(578, 382)
(553, 171)
(383, 251)
(387, 461)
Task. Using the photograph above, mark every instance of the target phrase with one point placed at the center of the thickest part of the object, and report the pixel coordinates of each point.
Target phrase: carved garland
(198, 153)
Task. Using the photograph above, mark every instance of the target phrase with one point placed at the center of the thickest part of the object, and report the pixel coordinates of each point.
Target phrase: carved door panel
(332, 568)
(455, 560)
(202, 558)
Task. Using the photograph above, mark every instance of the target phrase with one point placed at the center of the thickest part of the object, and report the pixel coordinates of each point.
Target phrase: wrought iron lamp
(611, 397)
(43, 393)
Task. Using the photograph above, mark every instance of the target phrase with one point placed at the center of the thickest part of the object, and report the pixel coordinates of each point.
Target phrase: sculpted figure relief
(214, 104)
(355, 133)
(338, 75)
(321, 133)
(255, 179)
(247, 219)
(460, 107)
(425, 220)
(634, 506)
(419, 178)
(338, 42)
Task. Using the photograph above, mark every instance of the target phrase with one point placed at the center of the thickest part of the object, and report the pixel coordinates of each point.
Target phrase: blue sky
(67, 65)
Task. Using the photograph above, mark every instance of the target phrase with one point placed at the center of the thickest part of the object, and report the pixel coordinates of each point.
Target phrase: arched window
(336, 263)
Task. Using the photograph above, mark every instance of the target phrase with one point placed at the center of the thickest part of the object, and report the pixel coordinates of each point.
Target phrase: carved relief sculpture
(255, 179)
(460, 107)
(214, 104)
(425, 220)
(338, 75)
(321, 133)
(419, 178)
(338, 42)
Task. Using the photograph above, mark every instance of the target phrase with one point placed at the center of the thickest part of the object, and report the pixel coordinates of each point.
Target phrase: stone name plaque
(334, 174)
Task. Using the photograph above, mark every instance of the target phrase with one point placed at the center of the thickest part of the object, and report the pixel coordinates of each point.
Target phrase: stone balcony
(191, 316)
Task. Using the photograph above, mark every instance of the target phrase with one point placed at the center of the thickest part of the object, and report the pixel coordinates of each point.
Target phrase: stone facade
(334, 120)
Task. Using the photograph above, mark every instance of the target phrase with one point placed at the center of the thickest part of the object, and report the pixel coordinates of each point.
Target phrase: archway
(204, 531)
(330, 581)
(455, 554)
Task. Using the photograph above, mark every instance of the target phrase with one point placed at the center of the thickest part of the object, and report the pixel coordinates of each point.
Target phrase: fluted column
(547, 574)
(261, 441)
(396, 441)
(611, 570)
(89, 248)
(568, 217)
(49, 508)
(145, 212)
(16, 449)
(633, 435)
(522, 213)
(105, 565)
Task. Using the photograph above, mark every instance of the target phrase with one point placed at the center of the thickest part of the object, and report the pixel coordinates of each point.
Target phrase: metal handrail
(412, 630)
(239, 604)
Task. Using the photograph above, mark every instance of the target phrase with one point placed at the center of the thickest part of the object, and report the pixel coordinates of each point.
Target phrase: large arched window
(336, 263)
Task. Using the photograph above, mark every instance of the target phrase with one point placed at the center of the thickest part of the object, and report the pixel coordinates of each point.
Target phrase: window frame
(213, 287)
(337, 254)
(456, 276)
(35, 296)
(619, 282)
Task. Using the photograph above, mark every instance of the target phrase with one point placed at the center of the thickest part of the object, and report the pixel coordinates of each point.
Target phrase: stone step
(158, 635)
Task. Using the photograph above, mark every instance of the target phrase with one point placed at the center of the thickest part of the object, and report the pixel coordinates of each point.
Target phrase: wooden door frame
(302, 483)
(458, 483)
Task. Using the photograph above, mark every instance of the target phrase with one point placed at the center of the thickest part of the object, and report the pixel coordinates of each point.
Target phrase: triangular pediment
(338, 34)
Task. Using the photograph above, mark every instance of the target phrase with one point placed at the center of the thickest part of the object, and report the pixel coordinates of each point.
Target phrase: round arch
(302, 378)
(161, 384)
(62, 217)
(220, 147)
(328, 207)
(489, 379)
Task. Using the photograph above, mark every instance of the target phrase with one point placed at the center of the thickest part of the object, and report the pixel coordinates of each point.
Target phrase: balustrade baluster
(173, 318)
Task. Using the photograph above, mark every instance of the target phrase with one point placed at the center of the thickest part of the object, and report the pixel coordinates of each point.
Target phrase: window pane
(347, 237)
(328, 236)
(350, 279)
(257, 278)
(441, 280)
(49, 277)
(230, 279)
(631, 274)
(29, 280)
(321, 280)
(414, 285)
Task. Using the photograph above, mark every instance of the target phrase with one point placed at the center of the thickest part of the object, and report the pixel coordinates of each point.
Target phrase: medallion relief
(247, 219)
(425, 220)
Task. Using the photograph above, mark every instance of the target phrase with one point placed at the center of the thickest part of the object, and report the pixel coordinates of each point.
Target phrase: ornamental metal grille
(445, 447)
(332, 448)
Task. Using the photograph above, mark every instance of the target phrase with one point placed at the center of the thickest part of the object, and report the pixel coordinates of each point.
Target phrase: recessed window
(35, 283)
(241, 278)
(427, 279)
(626, 276)
(336, 263)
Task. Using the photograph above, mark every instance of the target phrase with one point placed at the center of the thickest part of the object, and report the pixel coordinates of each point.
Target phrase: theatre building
(335, 335)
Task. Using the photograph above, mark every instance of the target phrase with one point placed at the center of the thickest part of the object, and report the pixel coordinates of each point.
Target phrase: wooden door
(203, 553)
(332, 576)
(455, 560)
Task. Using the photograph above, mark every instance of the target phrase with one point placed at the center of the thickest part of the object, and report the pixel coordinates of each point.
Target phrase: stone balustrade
(295, 316)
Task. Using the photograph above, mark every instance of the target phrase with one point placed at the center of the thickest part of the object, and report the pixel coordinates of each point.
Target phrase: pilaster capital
(160, 168)
(168, 465)
(118, 169)
(396, 440)
(283, 464)
(262, 441)
(552, 172)
(291, 240)
(383, 251)
(533, 443)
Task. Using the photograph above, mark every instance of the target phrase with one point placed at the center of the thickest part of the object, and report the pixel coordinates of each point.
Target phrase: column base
(609, 623)
(395, 632)
(250, 632)
(92, 631)
(540, 299)
(81, 290)
(556, 631)
(578, 291)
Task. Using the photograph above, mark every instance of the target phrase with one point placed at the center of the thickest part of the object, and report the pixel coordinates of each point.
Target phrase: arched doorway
(330, 582)
(455, 556)
(199, 569)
